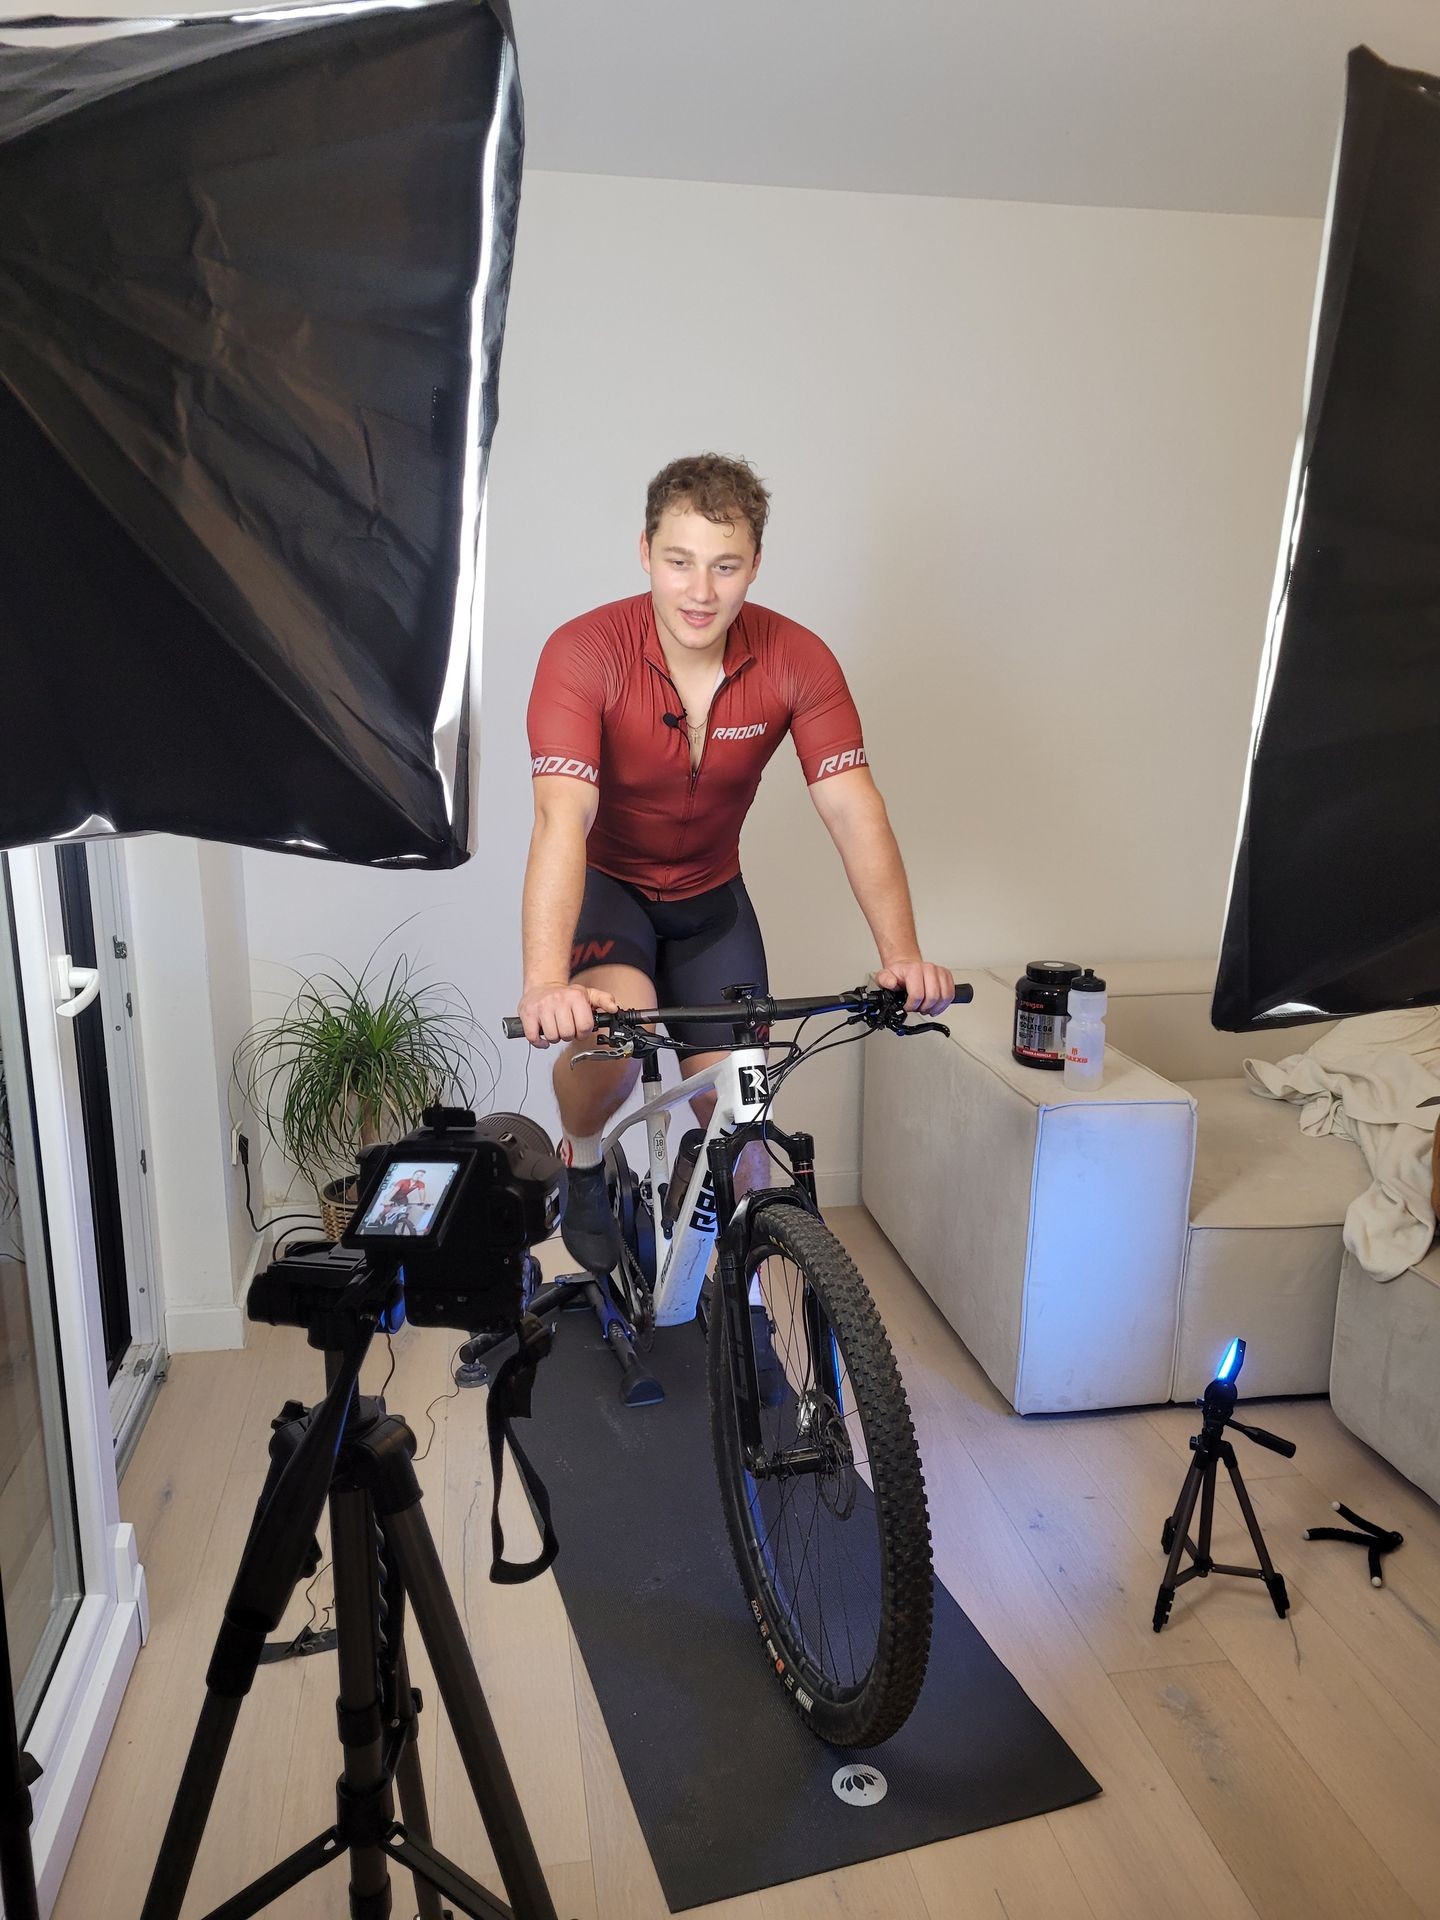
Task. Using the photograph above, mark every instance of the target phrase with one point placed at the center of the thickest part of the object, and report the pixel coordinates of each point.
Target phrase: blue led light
(1230, 1365)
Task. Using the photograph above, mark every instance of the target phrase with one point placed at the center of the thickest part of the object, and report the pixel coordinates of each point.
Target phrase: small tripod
(1211, 1448)
(350, 1451)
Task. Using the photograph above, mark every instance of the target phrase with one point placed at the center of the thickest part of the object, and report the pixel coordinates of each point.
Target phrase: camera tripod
(349, 1451)
(1211, 1450)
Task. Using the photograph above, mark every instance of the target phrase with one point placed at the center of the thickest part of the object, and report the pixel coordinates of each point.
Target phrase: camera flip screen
(407, 1198)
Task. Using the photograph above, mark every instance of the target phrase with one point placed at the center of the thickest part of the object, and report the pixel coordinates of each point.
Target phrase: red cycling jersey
(597, 712)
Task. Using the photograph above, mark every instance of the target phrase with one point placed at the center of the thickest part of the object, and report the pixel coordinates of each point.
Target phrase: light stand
(1211, 1448)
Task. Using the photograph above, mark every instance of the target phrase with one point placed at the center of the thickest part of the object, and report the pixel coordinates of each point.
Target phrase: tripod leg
(277, 1548)
(17, 1865)
(414, 1809)
(1207, 1518)
(1178, 1529)
(1275, 1582)
(413, 1549)
(362, 1734)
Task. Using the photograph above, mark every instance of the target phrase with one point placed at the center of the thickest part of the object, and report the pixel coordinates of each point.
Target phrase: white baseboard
(204, 1329)
(836, 1187)
(216, 1329)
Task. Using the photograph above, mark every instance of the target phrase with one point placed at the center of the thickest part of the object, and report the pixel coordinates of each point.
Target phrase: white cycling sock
(581, 1149)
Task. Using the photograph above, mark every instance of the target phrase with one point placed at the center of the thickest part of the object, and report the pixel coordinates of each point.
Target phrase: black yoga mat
(733, 1793)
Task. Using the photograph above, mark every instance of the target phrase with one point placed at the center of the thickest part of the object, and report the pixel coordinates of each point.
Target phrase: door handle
(78, 986)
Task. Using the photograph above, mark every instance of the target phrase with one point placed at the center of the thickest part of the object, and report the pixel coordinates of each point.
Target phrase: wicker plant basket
(337, 1203)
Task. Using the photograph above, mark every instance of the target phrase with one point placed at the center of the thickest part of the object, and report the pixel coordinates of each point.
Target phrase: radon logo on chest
(739, 733)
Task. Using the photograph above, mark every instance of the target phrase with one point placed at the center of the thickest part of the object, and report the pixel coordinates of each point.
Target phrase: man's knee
(585, 1084)
(588, 1092)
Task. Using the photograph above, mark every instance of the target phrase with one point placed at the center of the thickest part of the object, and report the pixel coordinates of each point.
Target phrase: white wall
(187, 905)
(1029, 465)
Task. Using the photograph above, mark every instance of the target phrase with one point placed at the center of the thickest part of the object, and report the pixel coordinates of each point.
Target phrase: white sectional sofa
(1100, 1249)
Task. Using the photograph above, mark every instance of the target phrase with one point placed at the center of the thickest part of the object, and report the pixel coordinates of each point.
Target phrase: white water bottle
(1085, 1033)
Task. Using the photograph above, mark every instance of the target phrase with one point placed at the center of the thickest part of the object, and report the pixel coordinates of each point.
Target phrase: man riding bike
(651, 721)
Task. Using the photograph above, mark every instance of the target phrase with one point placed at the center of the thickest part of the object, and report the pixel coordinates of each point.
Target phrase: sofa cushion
(1274, 1285)
(1386, 1362)
(1254, 1167)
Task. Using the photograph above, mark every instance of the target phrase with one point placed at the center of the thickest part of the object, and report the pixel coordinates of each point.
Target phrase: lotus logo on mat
(860, 1786)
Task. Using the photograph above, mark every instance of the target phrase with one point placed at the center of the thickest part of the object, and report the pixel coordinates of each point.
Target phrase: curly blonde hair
(724, 490)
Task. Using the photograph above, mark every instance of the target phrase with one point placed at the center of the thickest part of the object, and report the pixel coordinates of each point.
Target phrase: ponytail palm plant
(355, 1059)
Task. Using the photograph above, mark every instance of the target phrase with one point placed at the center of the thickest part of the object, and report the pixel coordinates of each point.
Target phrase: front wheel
(827, 1517)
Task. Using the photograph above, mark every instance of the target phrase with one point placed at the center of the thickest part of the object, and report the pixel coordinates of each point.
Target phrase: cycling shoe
(588, 1225)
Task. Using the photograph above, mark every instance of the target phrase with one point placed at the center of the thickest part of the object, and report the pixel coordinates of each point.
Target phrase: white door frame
(78, 1712)
(125, 1066)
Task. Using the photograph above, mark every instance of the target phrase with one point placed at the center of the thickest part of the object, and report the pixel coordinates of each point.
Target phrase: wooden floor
(1289, 1770)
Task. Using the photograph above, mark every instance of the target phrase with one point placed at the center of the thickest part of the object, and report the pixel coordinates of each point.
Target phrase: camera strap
(510, 1400)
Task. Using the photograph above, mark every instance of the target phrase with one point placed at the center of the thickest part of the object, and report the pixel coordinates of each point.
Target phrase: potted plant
(354, 1059)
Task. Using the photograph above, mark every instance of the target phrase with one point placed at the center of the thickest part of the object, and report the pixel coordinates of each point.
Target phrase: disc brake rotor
(839, 1482)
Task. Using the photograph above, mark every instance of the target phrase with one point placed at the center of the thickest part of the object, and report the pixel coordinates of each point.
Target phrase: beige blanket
(1365, 1080)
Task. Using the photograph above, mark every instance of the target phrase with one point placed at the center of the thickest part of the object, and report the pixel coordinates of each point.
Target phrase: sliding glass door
(39, 1558)
(74, 1593)
(95, 918)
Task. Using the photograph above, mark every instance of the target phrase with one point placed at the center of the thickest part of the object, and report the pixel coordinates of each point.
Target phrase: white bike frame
(742, 1086)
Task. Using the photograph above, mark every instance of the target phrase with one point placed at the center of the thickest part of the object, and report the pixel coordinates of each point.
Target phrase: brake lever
(924, 1026)
(607, 1050)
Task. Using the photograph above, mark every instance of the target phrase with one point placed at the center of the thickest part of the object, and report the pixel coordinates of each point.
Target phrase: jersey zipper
(694, 771)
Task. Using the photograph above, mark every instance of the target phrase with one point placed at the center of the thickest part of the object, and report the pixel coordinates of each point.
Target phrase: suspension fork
(731, 1294)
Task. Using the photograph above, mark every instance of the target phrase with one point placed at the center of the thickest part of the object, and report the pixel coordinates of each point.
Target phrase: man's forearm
(554, 889)
(876, 873)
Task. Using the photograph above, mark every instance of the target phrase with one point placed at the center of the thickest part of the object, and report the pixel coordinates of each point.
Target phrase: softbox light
(253, 272)
(1334, 907)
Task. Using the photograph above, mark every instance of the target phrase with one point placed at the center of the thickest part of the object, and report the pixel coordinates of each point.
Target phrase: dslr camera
(447, 1214)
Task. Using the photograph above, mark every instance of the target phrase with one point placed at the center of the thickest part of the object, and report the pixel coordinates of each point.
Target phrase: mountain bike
(815, 1453)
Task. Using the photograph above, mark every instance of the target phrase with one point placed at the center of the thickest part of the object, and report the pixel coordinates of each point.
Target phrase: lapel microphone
(671, 719)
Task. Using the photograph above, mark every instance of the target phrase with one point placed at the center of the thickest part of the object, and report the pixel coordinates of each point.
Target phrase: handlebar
(758, 1010)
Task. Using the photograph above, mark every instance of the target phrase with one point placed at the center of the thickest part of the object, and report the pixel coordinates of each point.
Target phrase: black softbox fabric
(253, 273)
(1335, 904)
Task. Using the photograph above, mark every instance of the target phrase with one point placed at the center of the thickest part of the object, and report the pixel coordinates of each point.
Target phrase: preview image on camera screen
(408, 1197)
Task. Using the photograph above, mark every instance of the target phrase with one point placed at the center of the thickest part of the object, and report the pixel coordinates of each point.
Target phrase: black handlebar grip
(513, 1026)
(964, 993)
